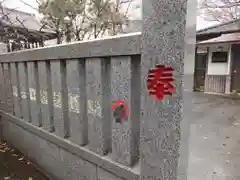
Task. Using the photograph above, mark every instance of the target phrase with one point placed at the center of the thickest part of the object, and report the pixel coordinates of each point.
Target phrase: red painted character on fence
(159, 82)
(120, 111)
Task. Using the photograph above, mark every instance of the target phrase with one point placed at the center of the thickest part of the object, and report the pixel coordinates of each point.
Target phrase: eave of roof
(34, 33)
(215, 26)
(224, 38)
(210, 30)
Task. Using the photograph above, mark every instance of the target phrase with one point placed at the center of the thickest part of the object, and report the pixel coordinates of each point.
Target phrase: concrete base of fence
(58, 157)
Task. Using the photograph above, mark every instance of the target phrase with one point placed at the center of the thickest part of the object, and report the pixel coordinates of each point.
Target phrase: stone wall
(58, 162)
(62, 107)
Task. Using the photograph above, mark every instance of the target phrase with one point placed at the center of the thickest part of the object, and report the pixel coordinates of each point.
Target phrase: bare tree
(99, 15)
(78, 12)
(53, 17)
(96, 18)
(219, 10)
(85, 18)
(118, 17)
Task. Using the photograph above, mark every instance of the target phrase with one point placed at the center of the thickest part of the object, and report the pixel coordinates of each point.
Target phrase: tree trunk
(95, 31)
(59, 38)
(68, 34)
(114, 29)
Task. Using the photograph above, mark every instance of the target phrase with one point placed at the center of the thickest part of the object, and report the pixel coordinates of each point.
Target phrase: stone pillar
(229, 71)
(162, 125)
(188, 82)
(190, 45)
(3, 49)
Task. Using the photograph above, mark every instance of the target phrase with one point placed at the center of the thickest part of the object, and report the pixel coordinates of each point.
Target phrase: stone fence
(84, 111)
(58, 102)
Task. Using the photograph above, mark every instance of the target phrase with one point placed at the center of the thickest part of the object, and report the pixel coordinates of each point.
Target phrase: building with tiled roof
(24, 27)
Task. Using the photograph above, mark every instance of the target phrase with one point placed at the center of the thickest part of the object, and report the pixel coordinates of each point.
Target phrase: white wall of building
(218, 68)
(214, 68)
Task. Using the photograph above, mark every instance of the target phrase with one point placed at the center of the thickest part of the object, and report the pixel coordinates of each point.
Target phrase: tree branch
(30, 4)
(219, 10)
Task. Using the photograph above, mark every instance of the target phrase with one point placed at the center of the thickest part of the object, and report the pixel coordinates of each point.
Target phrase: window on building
(220, 57)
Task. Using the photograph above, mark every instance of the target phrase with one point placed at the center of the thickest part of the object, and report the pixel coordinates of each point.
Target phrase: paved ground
(14, 166)
(215, 139)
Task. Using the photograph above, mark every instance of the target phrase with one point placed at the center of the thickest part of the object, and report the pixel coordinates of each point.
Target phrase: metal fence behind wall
(16, 46)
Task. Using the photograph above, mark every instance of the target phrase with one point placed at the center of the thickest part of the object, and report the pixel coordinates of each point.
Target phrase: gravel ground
(215, 138)
(14, 166)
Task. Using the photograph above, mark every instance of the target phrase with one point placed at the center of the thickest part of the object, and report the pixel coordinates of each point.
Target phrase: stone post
(188, 84)
(3, 49)
(229, 71)
(165, 125)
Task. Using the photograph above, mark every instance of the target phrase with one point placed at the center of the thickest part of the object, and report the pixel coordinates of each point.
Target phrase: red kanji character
(120, 111)
(159, 81)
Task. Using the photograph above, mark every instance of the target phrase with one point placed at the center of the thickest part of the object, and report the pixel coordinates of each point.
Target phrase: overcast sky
(134, 14)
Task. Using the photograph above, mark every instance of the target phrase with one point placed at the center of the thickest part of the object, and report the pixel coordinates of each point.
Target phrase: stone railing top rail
(127, 44)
